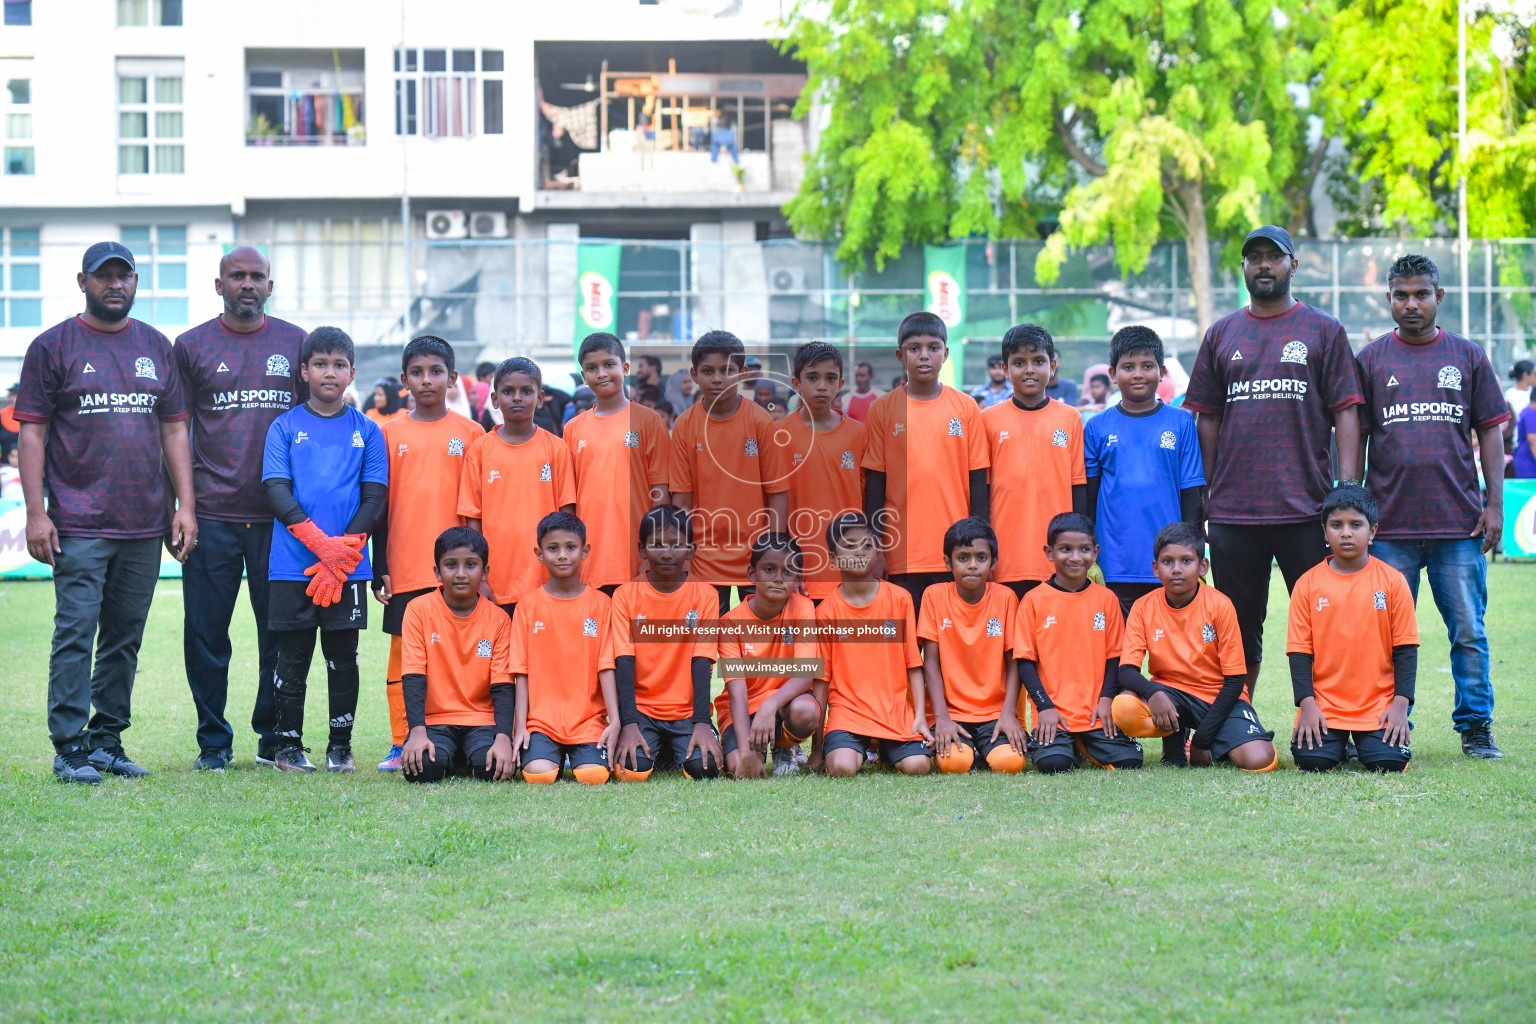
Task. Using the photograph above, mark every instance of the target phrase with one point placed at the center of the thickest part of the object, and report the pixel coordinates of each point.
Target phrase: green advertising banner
(944, 287)
(1520, 518)
(597, 289)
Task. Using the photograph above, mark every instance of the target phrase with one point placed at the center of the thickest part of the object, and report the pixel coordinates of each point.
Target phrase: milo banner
(1520, 518)
(15, 563)
(597, 289)
(944, 284)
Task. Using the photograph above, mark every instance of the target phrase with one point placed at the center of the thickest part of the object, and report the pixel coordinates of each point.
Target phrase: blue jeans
(1458, 579)
(723, 138)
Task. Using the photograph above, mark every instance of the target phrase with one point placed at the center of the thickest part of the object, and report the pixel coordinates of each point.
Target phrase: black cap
(101, 252)
(1279, 236)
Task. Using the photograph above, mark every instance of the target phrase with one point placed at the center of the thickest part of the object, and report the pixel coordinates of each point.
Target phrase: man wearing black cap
(101, 409)
(240, 371)
(1273, 384)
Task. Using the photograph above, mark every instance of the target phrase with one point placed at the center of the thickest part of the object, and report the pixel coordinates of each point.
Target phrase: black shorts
(1129, 592)
(1371, 748)
(289, 607)
(460, 751)
(669, 745)
(1242, 725)
(394, 611)
(543, 748)
(891, 751)
(1240, 562)
(1091, 745)
(782, 736)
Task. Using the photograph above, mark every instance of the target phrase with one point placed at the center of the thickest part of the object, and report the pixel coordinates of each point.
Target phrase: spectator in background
(385, 405)
(1098, 393)
(679, 390)
(10, 477)
(996, 389)
(648, 373)
(766, 395)
(582, 400)
(10, 427)
(664, 407)
(479, 390)
(897, 381)
(648, 395)
(457, 401)
(1518, 395)
(722, 135)
(1062, 389)
(863, 394)
(1525, 460)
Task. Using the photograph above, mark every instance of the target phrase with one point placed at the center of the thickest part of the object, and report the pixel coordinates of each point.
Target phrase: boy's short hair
(1024, 337)
(778, 542)
(600, 341)
(483, 368)
(1182, 534)
(1352, 497)
(1070, 522)
(1134, 340)
(666, 517)
(861, 365)
(840, 526)
(648, 393)
(921, 324)
(1413, 265)
(426, 345)
(518, 364)
(995, 360)
(815, 352)
(1100, 376)
(665, 407)
(460, 537)
(718, 343)
(561, 520)
(329, 341)
(968, 531)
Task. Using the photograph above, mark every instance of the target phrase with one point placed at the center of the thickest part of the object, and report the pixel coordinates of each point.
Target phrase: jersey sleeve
(605, 633)
(775, 459)
(274, 455)
(1010, 622)
(1229, 639)
(375, 456)
(875, 435)
(1133, 649)
(501, 651)
(912, 653)
(928, 618)
(563, 473)
(658, 453)
(1204, 393)
(704, 646)
(37, 394)
(1298, 632)
(413, 642)
(1489, 407)
(1402, 616)
(978, 453)
(680, 471)
(1075, 446)
(824, 619)
(469, 482)
(1341, 374)
(1023, 637)
(622, 642)
(517, 646)
(1091, 450)
(1191, 468)
(1114, 625)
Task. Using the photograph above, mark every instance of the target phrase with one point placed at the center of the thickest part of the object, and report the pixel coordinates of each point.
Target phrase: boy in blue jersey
(1143, 464)
(326, 473)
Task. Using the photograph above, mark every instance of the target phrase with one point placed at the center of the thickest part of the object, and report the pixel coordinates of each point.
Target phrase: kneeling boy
(1067, 642)
(456, 650)
(1188, 634)
(1354, 647)
(562, 664)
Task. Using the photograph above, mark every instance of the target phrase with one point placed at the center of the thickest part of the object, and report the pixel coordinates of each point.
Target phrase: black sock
(1173, 748)
(295, 648)
(340, 650)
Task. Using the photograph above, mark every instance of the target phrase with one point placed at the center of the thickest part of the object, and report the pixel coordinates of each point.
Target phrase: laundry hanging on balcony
(580, 122)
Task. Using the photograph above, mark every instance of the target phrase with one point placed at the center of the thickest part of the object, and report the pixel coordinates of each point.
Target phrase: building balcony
(304, 98)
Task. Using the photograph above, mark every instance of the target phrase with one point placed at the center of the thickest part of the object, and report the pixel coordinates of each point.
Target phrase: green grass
(1197, 895)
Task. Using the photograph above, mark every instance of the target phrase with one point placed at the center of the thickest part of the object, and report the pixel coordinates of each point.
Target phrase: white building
(184, 126)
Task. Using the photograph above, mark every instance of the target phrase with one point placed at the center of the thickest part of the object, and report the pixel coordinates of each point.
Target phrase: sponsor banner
(944, 284)
(597, 290)
(16, 564)
(1520, 518)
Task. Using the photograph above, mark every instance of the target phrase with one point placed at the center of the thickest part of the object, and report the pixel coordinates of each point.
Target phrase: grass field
(1193, 895)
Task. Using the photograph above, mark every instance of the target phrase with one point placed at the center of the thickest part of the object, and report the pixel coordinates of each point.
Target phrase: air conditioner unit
(487, 224)
(442, 224)
(787, 280)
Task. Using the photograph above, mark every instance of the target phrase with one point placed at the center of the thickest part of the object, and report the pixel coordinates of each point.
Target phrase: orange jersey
(509, 488)
(927, 451)
(461, 656)
(1070, 638)
(663, 670)
(1193, 648)
(975, 642)
(617, 460)
(825, 481)
(1037, 457)
(867, 689)
(561, 644)
(797, 609)
(1349, 624)
(426, 462)
(730, 467)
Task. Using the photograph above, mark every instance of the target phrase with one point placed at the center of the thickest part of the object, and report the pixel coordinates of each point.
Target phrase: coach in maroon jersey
(101, 411)
(1273, 384)
(241, 372)
(1426, 391)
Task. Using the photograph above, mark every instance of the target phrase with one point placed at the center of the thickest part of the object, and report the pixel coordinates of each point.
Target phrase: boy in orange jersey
(727, 470)
(825, 451)
(458, 671)
(1067, 642)
(1354, 647)
(1188, 634)
(562, 664)
(663, 682)
(619, 452)
(873, 688)
(1035, 444)
(925, 460)
(426, 459)
(762, 713)
(514, 477)
(967, 632)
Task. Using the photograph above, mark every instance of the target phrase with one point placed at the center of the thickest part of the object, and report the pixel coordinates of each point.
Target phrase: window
(16, 104)
(304, 98)
(160, 253)
(18, 12)
(337, 264)
(449, 93)
(148, 12)
(149, 117)
(21, 278)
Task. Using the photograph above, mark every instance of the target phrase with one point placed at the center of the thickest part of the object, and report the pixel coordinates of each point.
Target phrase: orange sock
(958, 761)
(1133, 717)
(1004, 759)
(631, 774)
(590, 774)
(541, 778)
(394, 693)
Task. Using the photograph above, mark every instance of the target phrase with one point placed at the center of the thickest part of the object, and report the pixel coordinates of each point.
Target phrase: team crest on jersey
(751, 447)
(455, 446)
(1294, 352)
(890, 628)
(1058, 438)
(691, 620)
(1098, 621)
(546, 473)
(994, 626)
(1450, 377)
(277, 366)
(589, 627)
(145, 367)
(357, 439)
(786, 636)
(1380, 598)
(1207, 633)
(955, 429)
(631, 439)
(483, 649)
(848, 462)
(1168, 441)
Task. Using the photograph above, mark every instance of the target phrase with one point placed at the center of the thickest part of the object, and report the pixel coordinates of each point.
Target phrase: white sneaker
(784, 762)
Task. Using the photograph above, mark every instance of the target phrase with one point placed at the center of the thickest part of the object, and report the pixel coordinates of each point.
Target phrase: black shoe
(338, 757)
(291, 758)
(1477, 741)
(266, 753)
(213, 759)
(75, 766)
(1350, 753)
(112, 761)
(1175, 749)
